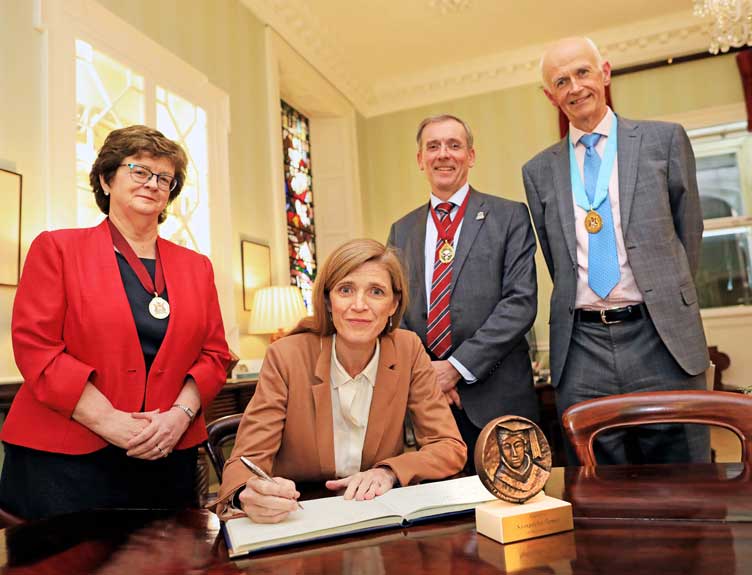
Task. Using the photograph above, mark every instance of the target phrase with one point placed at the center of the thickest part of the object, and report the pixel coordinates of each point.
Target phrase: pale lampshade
(275, 309)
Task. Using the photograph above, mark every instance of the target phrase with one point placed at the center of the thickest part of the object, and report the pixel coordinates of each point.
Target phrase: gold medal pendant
(593, 222)
(159, 308)
(446, 253)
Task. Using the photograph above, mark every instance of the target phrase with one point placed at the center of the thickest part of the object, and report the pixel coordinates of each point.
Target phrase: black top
(36, 484)
(151, 331)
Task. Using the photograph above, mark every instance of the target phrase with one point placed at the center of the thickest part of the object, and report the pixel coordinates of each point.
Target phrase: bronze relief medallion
(512, 458)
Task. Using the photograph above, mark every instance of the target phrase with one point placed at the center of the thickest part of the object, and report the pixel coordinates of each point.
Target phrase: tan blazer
(287, 427)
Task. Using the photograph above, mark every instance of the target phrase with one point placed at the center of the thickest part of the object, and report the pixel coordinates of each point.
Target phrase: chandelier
(732, 22)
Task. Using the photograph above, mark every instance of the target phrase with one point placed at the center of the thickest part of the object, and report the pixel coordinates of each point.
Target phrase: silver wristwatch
(188, 411)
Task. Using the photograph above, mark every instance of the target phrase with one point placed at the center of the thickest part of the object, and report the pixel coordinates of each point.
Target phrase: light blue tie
(603, 261)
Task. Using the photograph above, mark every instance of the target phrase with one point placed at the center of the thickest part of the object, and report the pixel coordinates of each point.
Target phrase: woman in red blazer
(118, 335)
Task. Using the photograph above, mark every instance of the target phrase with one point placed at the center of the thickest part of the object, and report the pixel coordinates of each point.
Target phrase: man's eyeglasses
(142, 174)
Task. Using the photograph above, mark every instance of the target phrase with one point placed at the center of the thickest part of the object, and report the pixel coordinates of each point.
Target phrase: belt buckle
(604, 321)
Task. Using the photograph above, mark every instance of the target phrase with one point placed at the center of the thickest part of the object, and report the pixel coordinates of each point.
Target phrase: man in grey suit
(617, 212)
(473, 290)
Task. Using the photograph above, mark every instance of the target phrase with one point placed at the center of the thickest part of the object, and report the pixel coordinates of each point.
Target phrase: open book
(332, 516)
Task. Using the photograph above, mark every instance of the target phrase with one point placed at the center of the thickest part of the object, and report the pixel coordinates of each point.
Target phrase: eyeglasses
(142, 174)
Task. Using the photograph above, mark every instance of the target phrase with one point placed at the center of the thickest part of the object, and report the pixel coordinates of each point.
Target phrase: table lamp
(275, 310)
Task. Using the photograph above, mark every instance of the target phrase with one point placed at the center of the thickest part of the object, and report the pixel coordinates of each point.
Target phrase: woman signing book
(332, 397)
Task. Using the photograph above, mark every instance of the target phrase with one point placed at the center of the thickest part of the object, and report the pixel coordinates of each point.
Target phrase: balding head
(575, 77)
(566, 45)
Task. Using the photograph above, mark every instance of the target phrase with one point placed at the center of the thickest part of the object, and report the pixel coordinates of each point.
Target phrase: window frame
(62, 23)
(715, 140)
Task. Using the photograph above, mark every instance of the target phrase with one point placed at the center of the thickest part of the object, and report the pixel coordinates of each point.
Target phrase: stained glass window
(301, 234)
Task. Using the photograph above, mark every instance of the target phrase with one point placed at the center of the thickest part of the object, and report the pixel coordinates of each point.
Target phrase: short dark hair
(444, 118)
(134, 141)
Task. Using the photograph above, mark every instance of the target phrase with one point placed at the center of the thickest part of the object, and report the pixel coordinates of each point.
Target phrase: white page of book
(331, 514)
(318, 515)
(462, 491)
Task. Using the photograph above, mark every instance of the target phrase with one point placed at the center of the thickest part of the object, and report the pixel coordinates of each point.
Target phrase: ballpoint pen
(258, 472)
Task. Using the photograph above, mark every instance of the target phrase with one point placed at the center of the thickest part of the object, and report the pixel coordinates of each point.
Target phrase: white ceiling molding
(294, 21)
(679, 34)
(647, 41)
(302, 86)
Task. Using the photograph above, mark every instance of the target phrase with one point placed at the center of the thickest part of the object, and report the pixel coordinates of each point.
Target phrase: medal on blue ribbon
(593, 220)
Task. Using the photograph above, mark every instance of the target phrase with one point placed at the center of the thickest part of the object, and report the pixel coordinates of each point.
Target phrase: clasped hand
(148, 435)
(159, 436)
(272, 501)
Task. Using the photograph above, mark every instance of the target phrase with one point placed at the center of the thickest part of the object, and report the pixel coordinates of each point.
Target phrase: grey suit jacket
(493, 302)
(662, 226)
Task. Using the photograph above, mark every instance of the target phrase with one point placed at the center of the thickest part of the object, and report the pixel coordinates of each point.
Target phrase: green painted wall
(22, 141)
(678, 88)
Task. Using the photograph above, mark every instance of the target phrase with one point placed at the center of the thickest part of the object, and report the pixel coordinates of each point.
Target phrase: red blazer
(72, 323)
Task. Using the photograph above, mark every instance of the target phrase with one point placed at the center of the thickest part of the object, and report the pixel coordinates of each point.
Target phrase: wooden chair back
(582, 422)
(221, 432)
(8, 519)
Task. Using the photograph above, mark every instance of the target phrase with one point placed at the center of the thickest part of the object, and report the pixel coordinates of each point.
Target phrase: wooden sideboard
(7, 393)
(232, 398)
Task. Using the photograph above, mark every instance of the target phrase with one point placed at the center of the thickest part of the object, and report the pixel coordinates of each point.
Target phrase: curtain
(744, 61)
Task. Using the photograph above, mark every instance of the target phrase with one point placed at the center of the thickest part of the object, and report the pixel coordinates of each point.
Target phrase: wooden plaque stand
(507, 522)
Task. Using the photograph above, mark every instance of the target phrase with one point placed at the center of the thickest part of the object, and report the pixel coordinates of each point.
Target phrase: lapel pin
(480, 216)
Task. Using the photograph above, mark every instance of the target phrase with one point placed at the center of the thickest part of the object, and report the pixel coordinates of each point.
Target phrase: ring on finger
(164, 454)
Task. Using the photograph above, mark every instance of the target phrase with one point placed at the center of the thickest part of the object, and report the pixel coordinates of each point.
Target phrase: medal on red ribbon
(446, 232)
(159, 308)
(446, 253)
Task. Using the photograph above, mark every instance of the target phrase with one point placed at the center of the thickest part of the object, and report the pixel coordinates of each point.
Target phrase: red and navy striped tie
(439, 329)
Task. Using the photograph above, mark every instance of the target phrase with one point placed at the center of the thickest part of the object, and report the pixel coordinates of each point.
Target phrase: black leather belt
(611, 316)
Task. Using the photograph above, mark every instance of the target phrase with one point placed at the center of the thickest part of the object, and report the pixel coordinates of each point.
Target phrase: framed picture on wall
(10, 227)
(257, 269)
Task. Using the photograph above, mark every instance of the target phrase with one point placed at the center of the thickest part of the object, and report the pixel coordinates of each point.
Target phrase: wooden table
(628, 520)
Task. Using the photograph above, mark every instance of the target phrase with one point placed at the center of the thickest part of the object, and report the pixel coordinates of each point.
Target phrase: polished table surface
(635, 520)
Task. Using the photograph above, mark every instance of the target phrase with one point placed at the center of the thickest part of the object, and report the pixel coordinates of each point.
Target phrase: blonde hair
(343, 261)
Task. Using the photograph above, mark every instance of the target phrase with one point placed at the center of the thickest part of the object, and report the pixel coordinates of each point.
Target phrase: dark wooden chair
(221, 433)
(584, 421)
(8, 519)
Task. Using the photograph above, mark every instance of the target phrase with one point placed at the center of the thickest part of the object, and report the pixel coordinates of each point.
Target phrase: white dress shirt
(626, 291)
(351, 403)
(432, 236)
